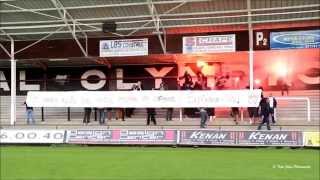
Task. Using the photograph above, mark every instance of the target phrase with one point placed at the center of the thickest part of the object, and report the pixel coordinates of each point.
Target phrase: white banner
(124, 47)
(209, 44)
(141, 99)
(31, 136)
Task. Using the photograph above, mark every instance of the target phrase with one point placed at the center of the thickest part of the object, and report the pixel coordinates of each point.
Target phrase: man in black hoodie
(264, 112)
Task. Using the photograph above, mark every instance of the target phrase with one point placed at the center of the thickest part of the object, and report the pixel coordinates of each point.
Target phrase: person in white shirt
(273, 106)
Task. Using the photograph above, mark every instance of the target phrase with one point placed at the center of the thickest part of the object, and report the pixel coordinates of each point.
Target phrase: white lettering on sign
(27, 87)
(155, 73)
(207, 135)
(93, 86)
(3, 82)
(262, 136)
(260, 39)
(120, 83)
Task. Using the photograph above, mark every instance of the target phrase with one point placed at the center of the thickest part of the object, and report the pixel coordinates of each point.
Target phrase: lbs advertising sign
(209, 44)
(124, 47)
(122, 136)
(295, 39)
(270, 138)
(207, 137)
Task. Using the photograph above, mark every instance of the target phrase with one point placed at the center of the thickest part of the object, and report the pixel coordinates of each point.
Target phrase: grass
(157, 163)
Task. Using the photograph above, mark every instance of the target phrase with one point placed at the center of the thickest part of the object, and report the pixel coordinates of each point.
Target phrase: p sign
(261, 40)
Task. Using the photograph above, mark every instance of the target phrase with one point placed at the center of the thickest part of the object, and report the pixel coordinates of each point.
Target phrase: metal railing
(296, 98)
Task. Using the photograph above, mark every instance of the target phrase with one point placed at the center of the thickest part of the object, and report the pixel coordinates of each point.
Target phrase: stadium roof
(62, 19)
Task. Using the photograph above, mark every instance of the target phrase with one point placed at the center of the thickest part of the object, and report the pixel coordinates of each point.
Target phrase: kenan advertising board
(270, 138)
(207, 137)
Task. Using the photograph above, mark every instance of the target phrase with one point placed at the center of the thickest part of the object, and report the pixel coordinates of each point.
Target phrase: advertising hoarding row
(121, 136)
(162, 137)
(217, 43)
(241, 138)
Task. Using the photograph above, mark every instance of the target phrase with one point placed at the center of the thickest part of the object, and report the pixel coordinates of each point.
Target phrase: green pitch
(154, 163)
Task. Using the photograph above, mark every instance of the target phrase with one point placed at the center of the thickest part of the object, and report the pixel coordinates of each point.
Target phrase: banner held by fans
(143, 99)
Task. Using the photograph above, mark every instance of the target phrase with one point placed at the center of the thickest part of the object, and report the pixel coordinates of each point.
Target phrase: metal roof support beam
(105, 6)
(2, 47)
(59, 18)
(63, 14)
(150, 21)
(158, 25)
(167, 14)
(30, 10)
(93, 25)
(178, 26)
(34, 43)
(5, 50)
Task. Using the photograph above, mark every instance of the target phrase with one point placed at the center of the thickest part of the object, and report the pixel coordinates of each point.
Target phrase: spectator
(29, 111)
(109, 114)
(87, 114)
(136, 87)
(284, 87)
(187, 85)
(253, 111)
(169, 111)
(151, 112)
(203, 117)
(235, 114)
(264, 112)
(120, 114)
(211, 114)
(221, 81)
(201, 81)
(102, 115)
(253, 114)
(273, 106)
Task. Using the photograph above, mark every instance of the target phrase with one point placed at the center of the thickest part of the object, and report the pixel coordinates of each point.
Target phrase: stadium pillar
(250, 44)
(13, 86)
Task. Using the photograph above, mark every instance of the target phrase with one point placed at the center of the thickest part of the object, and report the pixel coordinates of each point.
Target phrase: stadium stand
(290, 114)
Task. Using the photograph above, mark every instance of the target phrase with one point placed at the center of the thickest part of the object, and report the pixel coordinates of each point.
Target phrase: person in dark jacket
(203, 117)
(151, 113)
(264, 112)
(87, 114)
(235, 113)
